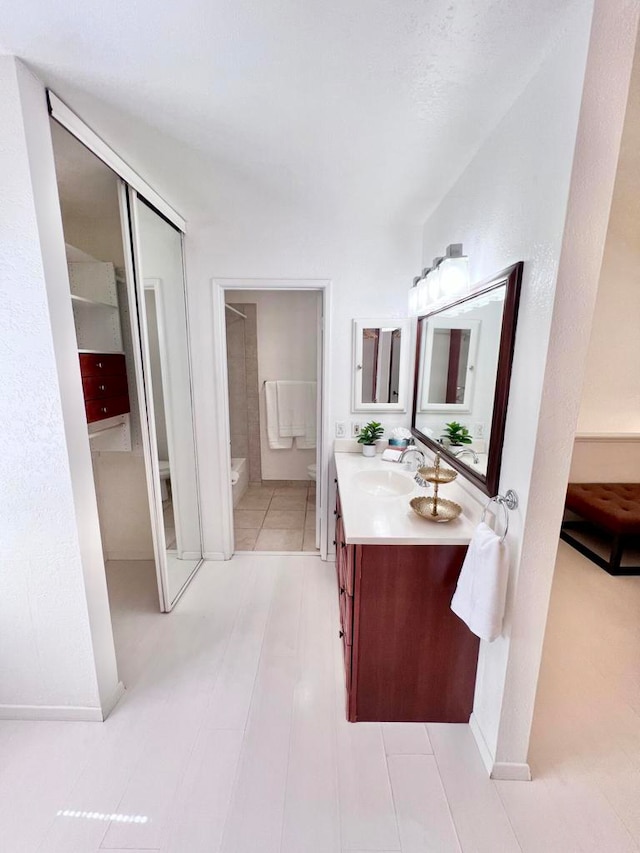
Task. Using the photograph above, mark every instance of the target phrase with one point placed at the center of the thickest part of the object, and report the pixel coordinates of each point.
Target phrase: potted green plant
(369, 434)
(456, 434)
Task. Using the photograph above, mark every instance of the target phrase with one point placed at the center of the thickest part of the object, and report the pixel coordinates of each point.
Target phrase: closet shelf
(93, 303)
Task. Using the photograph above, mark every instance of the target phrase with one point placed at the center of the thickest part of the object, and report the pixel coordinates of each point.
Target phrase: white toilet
(311, 471)
(165, 476)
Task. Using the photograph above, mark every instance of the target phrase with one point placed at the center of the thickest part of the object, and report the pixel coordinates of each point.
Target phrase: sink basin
(384, 484)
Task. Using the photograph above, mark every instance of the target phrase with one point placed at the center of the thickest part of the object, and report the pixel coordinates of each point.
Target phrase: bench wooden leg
(617, 547)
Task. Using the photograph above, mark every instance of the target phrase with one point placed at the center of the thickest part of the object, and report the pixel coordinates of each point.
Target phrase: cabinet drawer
(346, 617)
(98, 364)
(346, 565)
(98, 410)
(339, 551)
(346, 650)
(97, 387)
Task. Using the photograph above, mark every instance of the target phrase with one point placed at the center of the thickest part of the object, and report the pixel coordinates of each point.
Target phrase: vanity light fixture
(446, 279)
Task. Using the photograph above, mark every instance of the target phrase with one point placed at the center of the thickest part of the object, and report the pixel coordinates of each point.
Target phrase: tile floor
(231, 737)
(278, 515)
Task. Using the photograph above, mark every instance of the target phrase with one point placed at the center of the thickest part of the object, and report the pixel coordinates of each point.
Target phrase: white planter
(368, 450)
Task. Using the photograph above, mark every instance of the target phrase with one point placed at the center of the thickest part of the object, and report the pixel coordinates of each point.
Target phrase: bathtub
(239, 467)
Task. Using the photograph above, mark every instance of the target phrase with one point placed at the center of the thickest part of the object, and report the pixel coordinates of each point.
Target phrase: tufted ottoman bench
(613, 508)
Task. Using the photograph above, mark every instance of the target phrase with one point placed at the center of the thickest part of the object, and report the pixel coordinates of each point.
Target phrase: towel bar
(507, 502)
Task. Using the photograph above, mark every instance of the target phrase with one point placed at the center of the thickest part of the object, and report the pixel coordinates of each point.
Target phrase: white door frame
(223, 437)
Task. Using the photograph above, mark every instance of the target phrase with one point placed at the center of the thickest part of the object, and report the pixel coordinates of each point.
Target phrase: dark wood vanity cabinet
(407, 656)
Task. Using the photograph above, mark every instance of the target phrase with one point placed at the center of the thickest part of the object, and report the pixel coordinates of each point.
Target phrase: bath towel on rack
(480, 596)
(276, 441)
(297, 411)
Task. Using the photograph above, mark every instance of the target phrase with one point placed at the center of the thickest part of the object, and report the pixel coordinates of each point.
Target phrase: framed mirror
(380, 365)
(464, 352)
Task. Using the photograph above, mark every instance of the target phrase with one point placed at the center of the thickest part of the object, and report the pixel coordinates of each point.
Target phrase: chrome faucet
(408, 450)
(464, 450)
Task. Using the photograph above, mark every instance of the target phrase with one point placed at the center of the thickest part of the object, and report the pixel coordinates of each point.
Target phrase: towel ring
(507, 502)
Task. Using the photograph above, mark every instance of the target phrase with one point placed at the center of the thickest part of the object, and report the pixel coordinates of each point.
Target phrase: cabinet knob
(334, 542)
(103, 410)
(341, 590)
(343, 544)
(98, 364)
(341, 634)
(102, 387)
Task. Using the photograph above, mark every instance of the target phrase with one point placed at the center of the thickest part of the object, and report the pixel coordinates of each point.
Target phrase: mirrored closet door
(128, 295)
(162, 317)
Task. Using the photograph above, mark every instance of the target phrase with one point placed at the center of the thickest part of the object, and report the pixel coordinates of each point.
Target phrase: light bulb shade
(454, 276)
(433, 285)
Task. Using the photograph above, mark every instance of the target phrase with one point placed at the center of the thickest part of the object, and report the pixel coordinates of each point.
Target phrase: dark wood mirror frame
(512, 278)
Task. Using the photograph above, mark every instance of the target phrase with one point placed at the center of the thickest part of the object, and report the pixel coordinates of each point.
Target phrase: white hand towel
(308, 440)
(481, 593)
(276, 441)
(391, 455)
(291, 407)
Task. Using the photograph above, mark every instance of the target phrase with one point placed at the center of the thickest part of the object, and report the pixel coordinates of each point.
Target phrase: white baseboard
(505, 770)
(118, 693)
(511, 772)
(483, 749)
(128, 555)
(213, 555)
(62, 713)
(51, 712)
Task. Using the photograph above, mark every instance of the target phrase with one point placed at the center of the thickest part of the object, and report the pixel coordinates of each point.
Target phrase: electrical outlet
(341, 429)
(356, 426)
(478, 430)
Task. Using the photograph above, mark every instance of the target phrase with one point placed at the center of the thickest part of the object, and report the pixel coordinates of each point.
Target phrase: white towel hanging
(480, 595)
(276, 441)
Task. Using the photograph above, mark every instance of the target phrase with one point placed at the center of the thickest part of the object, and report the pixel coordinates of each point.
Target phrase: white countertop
(382, 520)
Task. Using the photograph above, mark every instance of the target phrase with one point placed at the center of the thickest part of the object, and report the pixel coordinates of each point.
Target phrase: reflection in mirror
(450, 348)
(464, 361)
(380, 365)
(163, 317)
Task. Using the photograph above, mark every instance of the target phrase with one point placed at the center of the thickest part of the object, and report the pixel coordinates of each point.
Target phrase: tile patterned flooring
(231, 737)
(277, 515)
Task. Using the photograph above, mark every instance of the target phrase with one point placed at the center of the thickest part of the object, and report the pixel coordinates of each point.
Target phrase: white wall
(511, 204)
(56, 647)
(610, 458)
(371, 267)
(287, 349)
(611, 391)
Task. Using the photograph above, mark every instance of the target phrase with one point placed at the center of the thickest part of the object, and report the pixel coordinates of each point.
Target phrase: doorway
(272, 355)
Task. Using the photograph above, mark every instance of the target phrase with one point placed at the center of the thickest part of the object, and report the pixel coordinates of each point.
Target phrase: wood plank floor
(231, 735)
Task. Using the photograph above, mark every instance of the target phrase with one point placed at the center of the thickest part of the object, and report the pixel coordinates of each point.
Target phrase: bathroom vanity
(407, 656)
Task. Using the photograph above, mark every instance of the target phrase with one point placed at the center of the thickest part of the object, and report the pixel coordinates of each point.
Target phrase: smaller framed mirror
(380, 365)
(464, 352)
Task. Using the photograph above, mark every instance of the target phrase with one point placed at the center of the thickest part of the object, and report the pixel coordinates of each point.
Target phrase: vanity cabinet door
(413, 660)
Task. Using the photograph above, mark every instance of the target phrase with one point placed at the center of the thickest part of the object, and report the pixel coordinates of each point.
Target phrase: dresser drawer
(97, 387)
(107, 364)
(98, 410)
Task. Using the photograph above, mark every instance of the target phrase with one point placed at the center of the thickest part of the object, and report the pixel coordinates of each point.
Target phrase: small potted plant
(456, 434)
(369, 434)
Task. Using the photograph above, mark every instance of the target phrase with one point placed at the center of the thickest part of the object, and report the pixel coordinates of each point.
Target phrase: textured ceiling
(367, 108)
